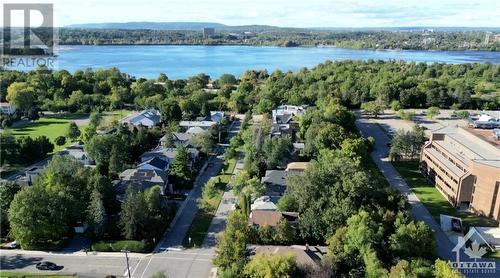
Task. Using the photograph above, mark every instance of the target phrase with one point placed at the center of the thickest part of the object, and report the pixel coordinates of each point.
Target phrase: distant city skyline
(283, 13)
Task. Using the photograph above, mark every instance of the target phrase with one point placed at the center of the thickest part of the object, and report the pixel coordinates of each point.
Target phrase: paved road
(85, 265)
(185, 263)
(418, 210)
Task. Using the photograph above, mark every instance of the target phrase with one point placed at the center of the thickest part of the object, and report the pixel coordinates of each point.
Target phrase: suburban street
(168, 257)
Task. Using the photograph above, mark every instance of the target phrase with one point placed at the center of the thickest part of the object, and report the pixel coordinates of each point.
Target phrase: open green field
(51, 126)
(56, 125)
(203, 218)
(432, 198)
(29, 275)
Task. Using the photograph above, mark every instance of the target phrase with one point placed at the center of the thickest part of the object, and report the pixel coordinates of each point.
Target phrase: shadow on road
(17, 262)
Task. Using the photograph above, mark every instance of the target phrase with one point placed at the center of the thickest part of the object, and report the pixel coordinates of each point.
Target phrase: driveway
(418, 210)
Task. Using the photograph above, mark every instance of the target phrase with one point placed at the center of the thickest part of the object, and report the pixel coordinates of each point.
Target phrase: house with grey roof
(77, 151)
(201, 124)
(265, 203)
(178, 138)
(146, 118)
(168, 154)
(155, 163)
(141, 179)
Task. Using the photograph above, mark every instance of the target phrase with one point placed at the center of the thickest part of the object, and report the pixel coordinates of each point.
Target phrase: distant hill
(195, 26)
(149, 25)
(179, 26)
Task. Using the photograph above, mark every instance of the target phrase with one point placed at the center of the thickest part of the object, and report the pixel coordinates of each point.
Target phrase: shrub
(134, 246)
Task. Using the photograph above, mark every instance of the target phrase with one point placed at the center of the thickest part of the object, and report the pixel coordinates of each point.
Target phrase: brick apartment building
(464, 164)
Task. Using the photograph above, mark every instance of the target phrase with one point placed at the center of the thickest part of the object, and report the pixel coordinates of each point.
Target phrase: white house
(147, 118)
(202, 124)
(7, 108)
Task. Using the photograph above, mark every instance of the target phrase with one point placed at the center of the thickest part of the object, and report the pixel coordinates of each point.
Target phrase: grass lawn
(432, 198)
(51, 126)
(28, 274)
(203, 218)
(109, 117)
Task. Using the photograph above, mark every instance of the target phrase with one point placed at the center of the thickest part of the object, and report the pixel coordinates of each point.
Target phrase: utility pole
(126, 258)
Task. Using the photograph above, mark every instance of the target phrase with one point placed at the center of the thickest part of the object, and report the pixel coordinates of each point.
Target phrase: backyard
(52, 126)
(432, 198)
(199, 227)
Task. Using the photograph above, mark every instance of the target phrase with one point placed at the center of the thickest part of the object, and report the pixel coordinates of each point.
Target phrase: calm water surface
(183, 61)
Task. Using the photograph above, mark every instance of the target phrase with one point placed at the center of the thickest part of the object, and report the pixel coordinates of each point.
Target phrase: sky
(285, 13)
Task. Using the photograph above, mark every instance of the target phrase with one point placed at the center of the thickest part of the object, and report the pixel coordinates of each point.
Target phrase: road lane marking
(136, 266)
(146, 268)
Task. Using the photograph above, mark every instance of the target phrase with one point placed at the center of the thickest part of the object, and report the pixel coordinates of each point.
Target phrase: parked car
(46, 265)
(10, 245)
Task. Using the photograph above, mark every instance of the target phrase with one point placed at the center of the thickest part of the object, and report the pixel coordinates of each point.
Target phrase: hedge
(118, 245)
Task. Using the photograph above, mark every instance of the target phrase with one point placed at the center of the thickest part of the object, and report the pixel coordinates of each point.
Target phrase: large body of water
(183, 61)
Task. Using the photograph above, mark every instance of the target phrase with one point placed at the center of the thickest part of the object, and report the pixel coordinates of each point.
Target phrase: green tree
(170, 111)
(412, 240)
(285, 232)
(60, 140)
(277, 150)
(133, 216)
(266, 266)
(73, 131)
(231, 247)
(373, 107)
(21, 95)
(203, 141)
(432, 112)
(95, 118)
(40, 225)
(265, 234)
(395, 105)
(179, 171)
(7, 192)
(96, 213)
(443, 269)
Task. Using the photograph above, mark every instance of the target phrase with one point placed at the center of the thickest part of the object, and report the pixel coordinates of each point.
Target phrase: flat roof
(476, 144)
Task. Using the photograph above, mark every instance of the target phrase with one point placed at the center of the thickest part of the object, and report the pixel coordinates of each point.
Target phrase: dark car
(45, 265)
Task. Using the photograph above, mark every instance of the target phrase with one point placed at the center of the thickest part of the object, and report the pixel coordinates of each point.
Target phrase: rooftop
(298, 166)
(270, 217)
(470, 144)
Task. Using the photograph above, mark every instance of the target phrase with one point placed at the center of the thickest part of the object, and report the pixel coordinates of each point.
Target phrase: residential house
(178, 138)
(464, 164)
(283, 123)
(270, 218)
(154, 163)
(276, 180)
(168, 154)
(32, 174)
(205, 125)
(195, 130)
(304, 255)
(294, 168)
(146, 118)
(265, 203)
(141, 179)
(77, 151)
(7, 108)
